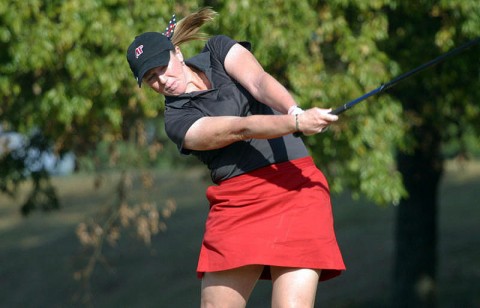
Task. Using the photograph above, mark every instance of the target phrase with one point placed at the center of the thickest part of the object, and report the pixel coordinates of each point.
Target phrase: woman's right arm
(242, 65)
(209, 133)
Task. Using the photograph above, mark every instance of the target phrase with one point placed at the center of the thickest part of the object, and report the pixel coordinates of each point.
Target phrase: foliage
(330, 52)
(448, 92)
(63, 71)
(327, 54)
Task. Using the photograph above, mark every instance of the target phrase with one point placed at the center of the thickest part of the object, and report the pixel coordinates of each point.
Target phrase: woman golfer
(270, 213)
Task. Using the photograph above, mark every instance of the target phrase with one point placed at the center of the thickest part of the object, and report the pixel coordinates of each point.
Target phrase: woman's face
(168, 80)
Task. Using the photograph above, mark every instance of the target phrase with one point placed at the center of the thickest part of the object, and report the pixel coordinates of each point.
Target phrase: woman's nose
(162, 78)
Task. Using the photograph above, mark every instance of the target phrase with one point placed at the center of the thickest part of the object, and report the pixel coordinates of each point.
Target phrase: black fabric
(226, 97)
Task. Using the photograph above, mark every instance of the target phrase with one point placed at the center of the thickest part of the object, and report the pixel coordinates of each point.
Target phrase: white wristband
(295, 110)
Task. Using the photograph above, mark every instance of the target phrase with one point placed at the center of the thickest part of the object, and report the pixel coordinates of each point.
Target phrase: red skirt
(279, 215)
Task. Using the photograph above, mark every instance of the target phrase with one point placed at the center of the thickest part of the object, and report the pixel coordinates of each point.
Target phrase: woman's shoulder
(221, 44)
(219, 41)
(221, 38)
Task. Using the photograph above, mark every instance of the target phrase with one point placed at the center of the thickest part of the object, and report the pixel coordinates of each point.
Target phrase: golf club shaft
(390, 84)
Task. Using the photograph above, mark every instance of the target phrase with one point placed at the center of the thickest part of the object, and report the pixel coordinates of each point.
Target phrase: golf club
(390, 84)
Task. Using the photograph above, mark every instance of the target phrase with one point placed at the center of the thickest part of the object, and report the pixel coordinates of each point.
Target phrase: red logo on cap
(138, 51)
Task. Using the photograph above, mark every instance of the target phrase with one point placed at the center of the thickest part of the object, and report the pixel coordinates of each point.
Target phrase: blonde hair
(187, 28)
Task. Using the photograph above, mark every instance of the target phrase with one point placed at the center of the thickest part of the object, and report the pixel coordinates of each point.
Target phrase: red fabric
(278, 215)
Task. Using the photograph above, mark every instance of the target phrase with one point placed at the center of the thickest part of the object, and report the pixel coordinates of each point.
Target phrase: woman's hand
(315, 120)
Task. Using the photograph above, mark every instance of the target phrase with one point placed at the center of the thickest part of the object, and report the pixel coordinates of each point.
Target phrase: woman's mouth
(170, 87)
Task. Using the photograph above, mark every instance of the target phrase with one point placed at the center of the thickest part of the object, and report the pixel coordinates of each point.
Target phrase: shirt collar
(202, 63)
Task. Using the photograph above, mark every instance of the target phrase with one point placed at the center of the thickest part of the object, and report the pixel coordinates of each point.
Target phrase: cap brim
(160, 59)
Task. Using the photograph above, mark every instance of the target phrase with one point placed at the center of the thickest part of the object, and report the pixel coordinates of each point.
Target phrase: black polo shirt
(226, 98)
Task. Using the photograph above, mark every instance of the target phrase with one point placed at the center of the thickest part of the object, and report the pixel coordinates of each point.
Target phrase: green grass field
(40, 253)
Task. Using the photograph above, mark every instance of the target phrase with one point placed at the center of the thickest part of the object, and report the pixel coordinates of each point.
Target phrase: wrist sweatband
(295, 110)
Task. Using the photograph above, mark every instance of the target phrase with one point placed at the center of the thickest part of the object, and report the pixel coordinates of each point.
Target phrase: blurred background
(98, 209)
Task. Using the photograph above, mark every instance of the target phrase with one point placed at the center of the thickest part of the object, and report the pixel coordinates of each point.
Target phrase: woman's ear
(178, 54)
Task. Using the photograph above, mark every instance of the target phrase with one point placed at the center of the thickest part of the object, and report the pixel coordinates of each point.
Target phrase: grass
(40, 253)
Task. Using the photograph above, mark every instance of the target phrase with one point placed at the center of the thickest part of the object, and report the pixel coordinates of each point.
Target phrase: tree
(391, 149)
(63, 70)
(441, 108)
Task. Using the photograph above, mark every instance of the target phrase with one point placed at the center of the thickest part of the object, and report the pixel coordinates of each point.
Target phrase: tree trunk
(416, 223)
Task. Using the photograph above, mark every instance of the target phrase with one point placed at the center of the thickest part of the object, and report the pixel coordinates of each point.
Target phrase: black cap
(148, 50)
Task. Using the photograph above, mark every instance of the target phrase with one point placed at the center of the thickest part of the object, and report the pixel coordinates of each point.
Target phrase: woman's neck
(198, 81)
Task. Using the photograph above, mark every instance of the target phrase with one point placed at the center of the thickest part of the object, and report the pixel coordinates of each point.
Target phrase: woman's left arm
(241, 65)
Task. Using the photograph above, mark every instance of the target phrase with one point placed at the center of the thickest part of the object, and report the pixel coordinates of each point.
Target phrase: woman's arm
(209, 133)
(241, 65)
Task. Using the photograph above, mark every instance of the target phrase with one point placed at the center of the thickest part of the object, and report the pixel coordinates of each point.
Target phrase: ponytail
(187, 28)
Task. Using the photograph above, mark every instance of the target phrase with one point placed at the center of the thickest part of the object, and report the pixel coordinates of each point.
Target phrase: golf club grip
(339, 110)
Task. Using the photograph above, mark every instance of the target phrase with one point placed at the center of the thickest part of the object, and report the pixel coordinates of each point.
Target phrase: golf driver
(390, 84)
